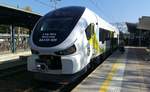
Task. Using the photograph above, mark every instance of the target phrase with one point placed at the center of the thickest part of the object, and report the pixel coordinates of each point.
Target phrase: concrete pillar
(12, 33)
(140, 37)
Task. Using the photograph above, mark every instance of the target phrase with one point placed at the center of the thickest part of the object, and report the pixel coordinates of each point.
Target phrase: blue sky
(110, 10)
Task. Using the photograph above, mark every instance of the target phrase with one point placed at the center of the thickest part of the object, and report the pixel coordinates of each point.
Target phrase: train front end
(56, 44)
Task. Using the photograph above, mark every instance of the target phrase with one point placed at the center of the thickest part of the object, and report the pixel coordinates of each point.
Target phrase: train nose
(41, 67)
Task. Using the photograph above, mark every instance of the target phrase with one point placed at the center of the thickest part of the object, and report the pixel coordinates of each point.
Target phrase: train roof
(105, 24)
(101, 22)
(67, 11)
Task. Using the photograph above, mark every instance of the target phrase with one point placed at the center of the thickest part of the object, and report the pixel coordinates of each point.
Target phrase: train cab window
(89, 31)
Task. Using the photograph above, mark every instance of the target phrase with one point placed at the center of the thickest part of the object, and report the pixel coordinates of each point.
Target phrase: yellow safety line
(104, 87)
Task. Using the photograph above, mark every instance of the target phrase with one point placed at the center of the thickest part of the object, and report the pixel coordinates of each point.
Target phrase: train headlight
(67, 51)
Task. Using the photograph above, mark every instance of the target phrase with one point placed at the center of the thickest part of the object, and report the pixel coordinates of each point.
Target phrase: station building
(15, 26)
(139, 32)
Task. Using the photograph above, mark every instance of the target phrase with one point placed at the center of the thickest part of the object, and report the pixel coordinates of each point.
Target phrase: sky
(110, 10)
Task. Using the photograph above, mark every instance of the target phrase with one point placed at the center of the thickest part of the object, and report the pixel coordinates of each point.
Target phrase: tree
(28, 8)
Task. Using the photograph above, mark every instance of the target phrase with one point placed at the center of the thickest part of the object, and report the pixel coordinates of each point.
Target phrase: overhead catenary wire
(96, 5)
(55, 2)
(114, 18)
(99, 9)
(42, 3)
(48, 5)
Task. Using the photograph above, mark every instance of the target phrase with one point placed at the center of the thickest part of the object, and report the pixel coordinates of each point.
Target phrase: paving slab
(128, 72)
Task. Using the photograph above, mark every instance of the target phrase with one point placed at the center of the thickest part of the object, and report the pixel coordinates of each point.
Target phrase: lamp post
(55, 2)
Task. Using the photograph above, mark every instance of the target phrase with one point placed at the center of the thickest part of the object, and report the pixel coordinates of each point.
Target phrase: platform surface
(128, 72)
(13, 56)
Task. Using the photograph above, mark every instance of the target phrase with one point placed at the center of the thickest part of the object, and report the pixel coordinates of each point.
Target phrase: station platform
(127, 72)
(13, 56)
(13, 59)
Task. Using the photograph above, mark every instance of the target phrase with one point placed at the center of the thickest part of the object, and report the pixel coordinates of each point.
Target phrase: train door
(92, 39)
(112, 40)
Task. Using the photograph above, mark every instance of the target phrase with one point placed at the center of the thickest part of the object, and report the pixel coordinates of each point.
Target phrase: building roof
(132, 27)
(144, 23)
(18, 17)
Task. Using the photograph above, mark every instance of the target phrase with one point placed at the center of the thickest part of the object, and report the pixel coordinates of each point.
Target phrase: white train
(65, 40)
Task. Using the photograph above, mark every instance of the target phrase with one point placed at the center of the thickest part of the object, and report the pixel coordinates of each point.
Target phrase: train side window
(108, 35)
(100, 34)
(104, 35)
(89, 31)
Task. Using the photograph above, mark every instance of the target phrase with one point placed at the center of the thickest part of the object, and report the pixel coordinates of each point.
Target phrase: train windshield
(52, 31)
(55, 27)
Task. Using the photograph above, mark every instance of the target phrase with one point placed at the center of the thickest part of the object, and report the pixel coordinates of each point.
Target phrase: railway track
(18, 79)
(66, 87)
(12, 70)
(12, 67)
(23, 81)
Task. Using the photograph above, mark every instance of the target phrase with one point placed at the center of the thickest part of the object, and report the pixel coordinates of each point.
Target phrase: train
(64, 41)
